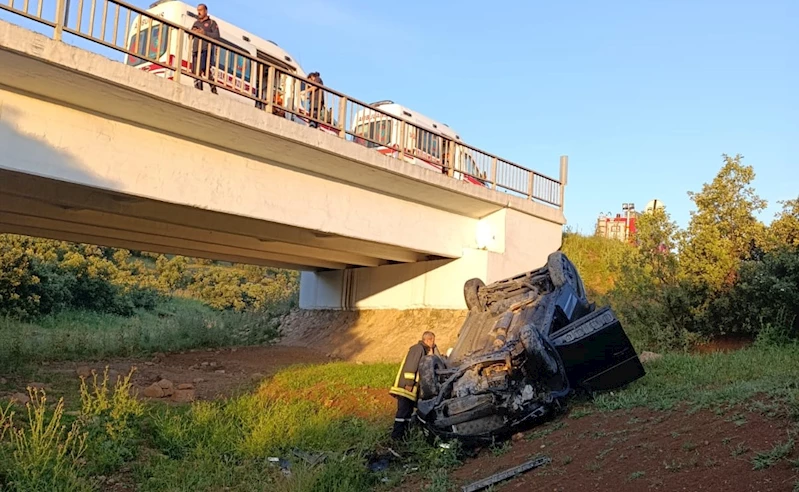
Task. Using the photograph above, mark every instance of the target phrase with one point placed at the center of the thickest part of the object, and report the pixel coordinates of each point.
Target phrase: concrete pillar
(508, 242)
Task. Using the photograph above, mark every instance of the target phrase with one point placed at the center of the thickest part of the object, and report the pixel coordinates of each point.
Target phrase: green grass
(176, 324)
(329, 409)
(715, 381)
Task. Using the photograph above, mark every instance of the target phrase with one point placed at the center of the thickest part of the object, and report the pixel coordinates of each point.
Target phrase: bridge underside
(43, 207)
(94, 151)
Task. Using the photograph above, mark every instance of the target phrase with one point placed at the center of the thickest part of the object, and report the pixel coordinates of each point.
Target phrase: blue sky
(643, 96)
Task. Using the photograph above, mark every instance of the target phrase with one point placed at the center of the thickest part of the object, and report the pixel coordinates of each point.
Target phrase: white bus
(235, 71)
(423, 145)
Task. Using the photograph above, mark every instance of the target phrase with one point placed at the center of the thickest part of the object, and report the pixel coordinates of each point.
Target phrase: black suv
(526, 344)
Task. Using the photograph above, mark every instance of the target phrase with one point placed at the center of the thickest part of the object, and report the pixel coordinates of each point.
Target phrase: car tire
(428, 382)
(471, 294)
(562, 272)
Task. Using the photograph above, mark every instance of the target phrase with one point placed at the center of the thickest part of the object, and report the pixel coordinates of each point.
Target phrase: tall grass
(177, 324)
(336, 414)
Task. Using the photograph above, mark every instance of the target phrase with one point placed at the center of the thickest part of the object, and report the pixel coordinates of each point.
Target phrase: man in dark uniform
(406, 384)
(208, 27)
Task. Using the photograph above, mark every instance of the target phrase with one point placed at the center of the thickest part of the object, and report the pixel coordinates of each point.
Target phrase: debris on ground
(504, 475)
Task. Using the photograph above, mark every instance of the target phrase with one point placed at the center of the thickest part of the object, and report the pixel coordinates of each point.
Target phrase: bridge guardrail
(111, 23)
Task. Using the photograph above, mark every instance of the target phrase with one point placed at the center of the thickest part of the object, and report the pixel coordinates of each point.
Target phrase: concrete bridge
(95, 151)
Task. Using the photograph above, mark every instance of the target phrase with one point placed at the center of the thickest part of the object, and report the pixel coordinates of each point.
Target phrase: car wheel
(471, 291)
(562, 272)
(428, 381)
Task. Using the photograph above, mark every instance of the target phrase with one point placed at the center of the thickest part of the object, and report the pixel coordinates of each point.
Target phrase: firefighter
(406, 384)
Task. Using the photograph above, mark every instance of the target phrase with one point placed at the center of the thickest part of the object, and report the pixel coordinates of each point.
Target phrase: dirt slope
(369, 336)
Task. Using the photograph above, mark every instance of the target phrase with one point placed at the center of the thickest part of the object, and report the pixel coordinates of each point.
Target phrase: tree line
(726, 273)
(41, 276)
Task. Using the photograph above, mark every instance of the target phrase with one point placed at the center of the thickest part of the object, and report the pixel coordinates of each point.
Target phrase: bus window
(152, 50)
(378, 133)
(428, 143)
(234, 64)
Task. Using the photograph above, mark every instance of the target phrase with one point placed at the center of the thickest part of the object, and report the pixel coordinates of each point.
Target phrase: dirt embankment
(369, 336)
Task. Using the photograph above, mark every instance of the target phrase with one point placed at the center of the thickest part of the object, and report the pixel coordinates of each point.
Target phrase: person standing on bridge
(406, 384)
(208, 27)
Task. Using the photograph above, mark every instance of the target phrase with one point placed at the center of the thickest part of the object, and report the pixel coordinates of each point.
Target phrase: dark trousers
(200, 69)
(402, 419)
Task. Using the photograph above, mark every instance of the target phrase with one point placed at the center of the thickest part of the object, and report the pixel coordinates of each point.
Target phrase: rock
(159, 355)
(84, 372)
(38, 386)
(153, 391)
(517, 437)
(194, 367)
(256, 376)
(185, 386)
(646, 357)
(205, 364)
(213, 364)
(167, 387)
(220, 371)
(198, 380)
(183, 395)
(20, 398)
(149, 363)
(234, 349)
(3, 381)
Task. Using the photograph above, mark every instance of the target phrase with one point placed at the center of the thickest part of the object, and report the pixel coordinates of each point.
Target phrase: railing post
(530, 184)
(342, 116)
(451, 152)
(60, 12)
(494, 173)
(269, 93)
(179, 56)
(402, 135)
(564, 177)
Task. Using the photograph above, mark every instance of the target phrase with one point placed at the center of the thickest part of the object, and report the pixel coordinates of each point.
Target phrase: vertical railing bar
(270, 88)
(59, 19)
(91, 19)
(179, 55)
(79, 22)
(102, 24)
(24, 5)
(116, 25)
(127, 28)
(38, 10)
(342, 108)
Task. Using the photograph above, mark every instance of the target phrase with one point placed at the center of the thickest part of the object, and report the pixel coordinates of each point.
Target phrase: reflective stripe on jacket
(408, 374)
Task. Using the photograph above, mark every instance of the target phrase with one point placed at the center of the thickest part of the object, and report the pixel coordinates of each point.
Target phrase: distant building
(621, 227)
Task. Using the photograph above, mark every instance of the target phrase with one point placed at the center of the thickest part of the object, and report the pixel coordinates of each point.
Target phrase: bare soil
(619, 451)
(214, 373)
(644, 450)
(372, 335)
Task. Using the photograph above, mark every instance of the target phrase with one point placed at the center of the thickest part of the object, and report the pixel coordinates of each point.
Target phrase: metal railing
(169, 50)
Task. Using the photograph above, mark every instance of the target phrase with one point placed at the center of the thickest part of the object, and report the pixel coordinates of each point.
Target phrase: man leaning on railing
(208, 27)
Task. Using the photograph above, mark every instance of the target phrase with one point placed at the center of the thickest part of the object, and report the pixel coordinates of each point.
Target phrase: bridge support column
(508, 242)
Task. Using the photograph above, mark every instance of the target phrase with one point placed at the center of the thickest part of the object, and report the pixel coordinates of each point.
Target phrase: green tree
(784, 231)
(723, 230)
(656, 240)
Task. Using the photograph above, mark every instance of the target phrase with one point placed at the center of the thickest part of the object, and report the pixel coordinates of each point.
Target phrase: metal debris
(504, 475)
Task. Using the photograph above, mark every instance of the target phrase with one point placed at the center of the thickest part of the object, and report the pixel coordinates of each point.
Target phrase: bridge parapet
(276, 90)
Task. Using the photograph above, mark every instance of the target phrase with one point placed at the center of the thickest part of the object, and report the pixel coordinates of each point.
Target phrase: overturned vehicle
(527, 343)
